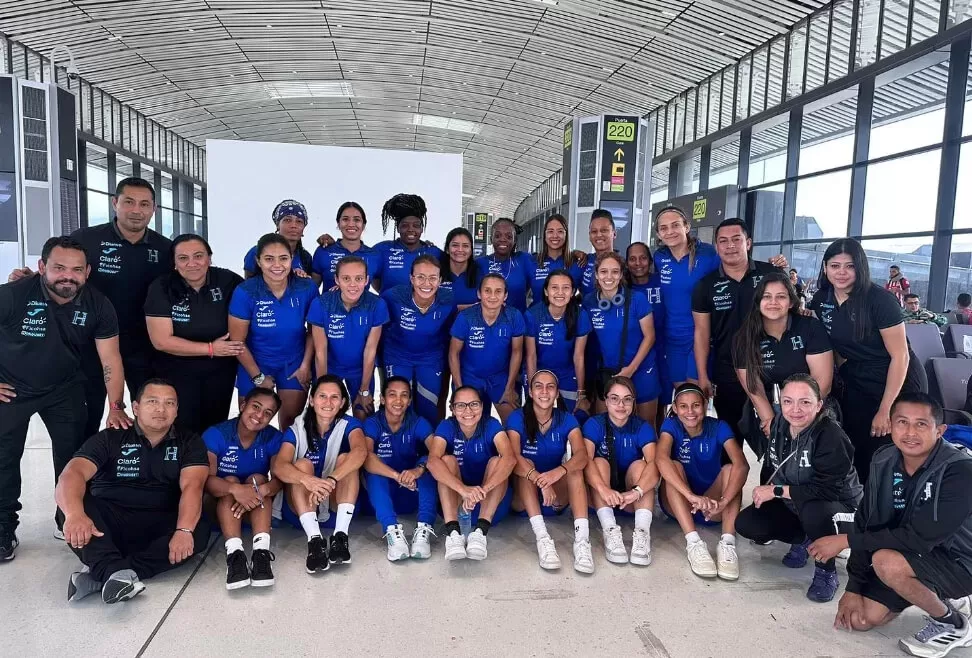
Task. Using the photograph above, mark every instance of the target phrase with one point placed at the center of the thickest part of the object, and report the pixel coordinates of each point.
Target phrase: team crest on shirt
(153, 255)
(171, 454)
(34, 324)
(926, 495)
(80, 317)
(217, 294)
(797, 342)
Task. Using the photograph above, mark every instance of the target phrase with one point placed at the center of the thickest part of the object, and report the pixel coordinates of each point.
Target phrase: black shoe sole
(130, 591)
(325, 567)
(340, 561)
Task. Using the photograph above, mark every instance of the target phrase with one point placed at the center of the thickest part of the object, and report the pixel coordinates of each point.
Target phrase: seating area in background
(947, 364)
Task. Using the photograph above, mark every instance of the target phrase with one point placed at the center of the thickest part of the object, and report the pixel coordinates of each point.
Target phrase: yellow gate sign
(698, 209)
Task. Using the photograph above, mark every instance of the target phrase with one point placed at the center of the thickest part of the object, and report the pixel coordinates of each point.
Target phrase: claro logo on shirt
(545, 335)
(129, 463)
(109, 262)
(407, 321)
(34, 324)
(264, 316)
(477, 337)
(597, 319)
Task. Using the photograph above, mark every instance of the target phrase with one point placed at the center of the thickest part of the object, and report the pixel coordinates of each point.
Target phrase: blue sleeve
(273, 446)
(289, 437)
(530, 324)
(723, 432)
(249, 261)
(482, 269)
(423, 429)
(640, 305)
(308, 293)
(380, 314)
(371, 428)
(320, 262)
(444, 432)
(241, 304)
(670, 425)
(316, 315)
(593, 430)
(584, 326)
(569, 424)
(353, 424)
(577, 274)
(710, 262)
(460, 328)
(215, 441)
(646, 435)
(514, 423)
(493, 427)
(518, 324)
(379, 259)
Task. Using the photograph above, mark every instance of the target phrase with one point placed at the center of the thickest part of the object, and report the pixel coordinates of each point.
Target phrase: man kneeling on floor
(132, 499)
(912, 543)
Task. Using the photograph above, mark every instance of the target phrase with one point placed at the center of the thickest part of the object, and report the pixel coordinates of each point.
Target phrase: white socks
(308, 521)
(539, 527)
(582, 530)
(233, 544)
(692, 538)
(261, 541)
(643, 519)
(729, 539)
(606, 516)
(344, 513)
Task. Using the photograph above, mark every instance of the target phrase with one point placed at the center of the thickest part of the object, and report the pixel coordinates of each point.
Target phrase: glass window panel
(912, 255)
(715, 100)
(798, 58)
(679, 121)
(767, 156)
(894, 27)
(85, 105)
(967, 115)
(765, 251)
(728, 91)
(3, 55)
(724, 164)
(123, 167)
(99, 207)
(807, 258)
(867, 32)
(757, 99)
(168, 224)
(777, 54)
(98, 117)
(909, 107)
(702, 115)
(670, 125)
(743, 80)
(690, 116)
(817, 59)
(924, 23)
(959, 268)
(963, 192)
(197, 207)
(97, 168)
(166, 196)
(958, 10)
(827, 137)
(659, 182)
(660, 131)
(902, 194)
(840, 39)
(19, 61)
(765, 206)
(822, 204)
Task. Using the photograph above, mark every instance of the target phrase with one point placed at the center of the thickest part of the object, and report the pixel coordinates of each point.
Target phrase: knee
(304, 466)
(260, 479)
(451, 463)
(232, 478)
(890, 565)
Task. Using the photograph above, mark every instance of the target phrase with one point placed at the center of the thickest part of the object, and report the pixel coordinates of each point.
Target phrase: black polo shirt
(788, 356)
(727, 302)
(133, 474)
(197, 316)
(41, 341)
(123, 272)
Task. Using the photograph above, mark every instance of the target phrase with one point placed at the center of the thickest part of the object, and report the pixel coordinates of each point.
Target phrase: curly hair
(401, 206)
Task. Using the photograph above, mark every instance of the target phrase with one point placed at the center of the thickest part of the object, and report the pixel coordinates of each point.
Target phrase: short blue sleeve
(515, 423)
(422, 430)
(353, 424)
(289, 437)
(723, 432)
(493, 427)
(569, 424)
(584, 326)
(372, 428)
(380, 314)
(593, 430)
(671, 426)
(214, 440)
(530, 323)
(460, 328)
(316, 315)
(249, 261)
(640, 306)
(320, 263)
(517, 322)
(646, 435)
(308, 293)
(444, 431)
(241, 304)
(273, 445)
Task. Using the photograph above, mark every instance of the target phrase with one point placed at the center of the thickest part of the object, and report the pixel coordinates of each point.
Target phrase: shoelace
(547, 547)
(424, 532)
(582, 551)
(699, 551)
(614, 539)
(931, 629)
(395, 534)
(270, 553)
(640, 539)
(728, 552)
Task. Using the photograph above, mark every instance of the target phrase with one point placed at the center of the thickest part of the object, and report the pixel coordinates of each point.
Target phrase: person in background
(132, 499)
(268, 313)
(913, 313)
(351, 222)
(47, 322)
(186, 311)
(964, 307)
(459, 271)
(555, 254)
(396, 257)
(514, 267)
(798, 285)
(290, 218)
(813, 479)
(641, 276)
(346, 326)
(912, 541)
(240, 451)
(697, 488)
(602, 233)
(897, 284)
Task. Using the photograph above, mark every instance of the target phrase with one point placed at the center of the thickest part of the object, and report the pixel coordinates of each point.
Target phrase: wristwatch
(364, 394)
(777, 491)
(259, 379)
(118, 405)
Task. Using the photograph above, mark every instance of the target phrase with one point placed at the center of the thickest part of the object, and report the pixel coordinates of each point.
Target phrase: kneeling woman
(471, 459)
(319, 462)
(697, 487)
(240, 450)
(813, 479)
(622, 472)
(396, 475)
(550, 461)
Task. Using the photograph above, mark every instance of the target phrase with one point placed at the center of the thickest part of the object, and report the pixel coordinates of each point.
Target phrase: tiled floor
(504, 606)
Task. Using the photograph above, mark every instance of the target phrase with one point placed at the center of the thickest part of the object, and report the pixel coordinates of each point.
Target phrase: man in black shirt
(912, 542)
(132, 499)
(720, 302)
(47, 320)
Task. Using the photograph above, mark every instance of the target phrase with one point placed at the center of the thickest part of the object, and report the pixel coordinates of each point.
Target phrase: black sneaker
(121, 586)
(340, 554)
(317, 555)
(8, 543)
(237, 570)
(261, 574)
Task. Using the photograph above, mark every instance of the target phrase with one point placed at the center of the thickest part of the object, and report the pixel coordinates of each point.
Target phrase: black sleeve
(701, 300)
(194, 451)
(97, 449)
(859, 562)
(107, 320)
(7, 303)
(832, 461)
(233, 280)
(885, 310)
(814, 304)
(817, 340)
(157, 302)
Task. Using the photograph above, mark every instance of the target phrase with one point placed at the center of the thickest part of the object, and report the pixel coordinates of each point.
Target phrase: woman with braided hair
(290, 218)
(395, 257)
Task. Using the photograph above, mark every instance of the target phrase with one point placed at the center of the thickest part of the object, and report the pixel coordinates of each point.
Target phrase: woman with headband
(697, 487)
(351, 222)
(290, 217)
(550, 460)
(395, 257)
(514, 267)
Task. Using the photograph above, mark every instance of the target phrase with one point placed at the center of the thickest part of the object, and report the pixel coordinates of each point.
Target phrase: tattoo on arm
(107, 372)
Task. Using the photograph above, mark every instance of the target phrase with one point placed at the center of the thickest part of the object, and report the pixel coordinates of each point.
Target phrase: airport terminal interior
(810, 120)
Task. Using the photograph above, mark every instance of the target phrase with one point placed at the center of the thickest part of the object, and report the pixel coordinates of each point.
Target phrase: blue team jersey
(317, 457)
(472, 453)
(652, 290)
(250, 262)
(487, 348)
(516, 271)
(609, 324)
(278, 327)
(413, 337)
(402, 449)
(327, 258)
(462, 292)
(347, 331)
(677, 284)
(395, 262)
(538, 277)
(554, 351)
(629, 440)
(232, 458)
(548, 449)
(701, 457)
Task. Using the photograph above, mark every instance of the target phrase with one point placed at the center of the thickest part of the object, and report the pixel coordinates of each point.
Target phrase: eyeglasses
(423, 278)
(627, 400)
(475, 405)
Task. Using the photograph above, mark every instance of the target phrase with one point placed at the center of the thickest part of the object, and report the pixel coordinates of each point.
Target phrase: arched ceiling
(491, 79)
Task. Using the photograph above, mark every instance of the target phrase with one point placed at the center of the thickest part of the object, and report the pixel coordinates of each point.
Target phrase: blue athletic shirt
(628, 440)
(538, 277)
(652, 290)
(608, 326)
(395, 262)
(701, 457)
(487, 349)
(347, 331)
(277, 326)
(462, 293)
(474, 453)
(232, 459)
(550, 447)
(327, 258)
(413, 337)
(516, 271)
(402, 449)
(554, 351)
(587, 284)
(316, 457)
(250, 262)
(677, 284)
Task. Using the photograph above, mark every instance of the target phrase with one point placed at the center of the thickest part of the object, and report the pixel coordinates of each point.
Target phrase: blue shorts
(491, 388)
(647, 384)
(353, 382)
(680, 363)
(280, 374)
(427, 387)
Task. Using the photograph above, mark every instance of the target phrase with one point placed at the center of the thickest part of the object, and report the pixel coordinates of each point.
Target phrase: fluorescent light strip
(309, 89)
(446, 123)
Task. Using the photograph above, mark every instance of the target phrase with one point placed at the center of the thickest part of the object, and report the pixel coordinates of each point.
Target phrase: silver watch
(364, 394)
(259, 379)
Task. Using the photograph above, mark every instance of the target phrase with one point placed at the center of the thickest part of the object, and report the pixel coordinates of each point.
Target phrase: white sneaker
(641, 547)
(397, 546)
(58, 534)
(963, 606)
(455, 546)
(936, 639)
(727, 561)
(548, 554)
(421, 544)
(476, 545)
(583, 557)
(702, 563)
(614, 545)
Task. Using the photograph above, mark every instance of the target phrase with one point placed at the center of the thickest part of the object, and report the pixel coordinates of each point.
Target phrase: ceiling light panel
(309, 89)
(446, 123)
